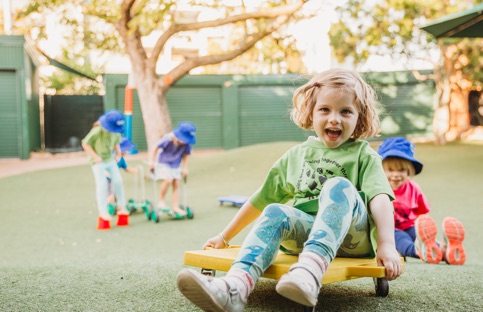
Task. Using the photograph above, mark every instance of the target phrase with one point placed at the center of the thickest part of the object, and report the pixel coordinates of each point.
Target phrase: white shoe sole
(291, 290)
(196, 292)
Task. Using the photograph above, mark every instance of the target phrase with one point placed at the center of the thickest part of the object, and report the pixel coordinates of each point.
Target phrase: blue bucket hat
(399, 147)
(186, 132)
(112, 121)
(126, 145)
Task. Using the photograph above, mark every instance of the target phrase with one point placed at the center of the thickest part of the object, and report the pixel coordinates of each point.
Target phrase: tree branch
(184, 68)
(270, 14)
(158, 47)
(175, 28)
(420, 77)
(132, 39)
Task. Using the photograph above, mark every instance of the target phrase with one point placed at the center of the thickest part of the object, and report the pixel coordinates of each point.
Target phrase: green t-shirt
(102, 142)
(300, 173)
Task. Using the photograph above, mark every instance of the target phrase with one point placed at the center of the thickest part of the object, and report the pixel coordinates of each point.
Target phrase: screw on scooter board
(156, 212)
(140, 201)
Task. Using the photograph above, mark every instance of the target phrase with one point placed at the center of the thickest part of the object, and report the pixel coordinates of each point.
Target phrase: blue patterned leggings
(341, 227)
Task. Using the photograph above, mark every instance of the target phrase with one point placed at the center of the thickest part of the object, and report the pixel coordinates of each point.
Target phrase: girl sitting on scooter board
(341, 202)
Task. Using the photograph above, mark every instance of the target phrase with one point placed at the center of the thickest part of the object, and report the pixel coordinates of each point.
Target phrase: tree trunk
(154, 107)
(441, 107)
(459, 121)
(451, 112)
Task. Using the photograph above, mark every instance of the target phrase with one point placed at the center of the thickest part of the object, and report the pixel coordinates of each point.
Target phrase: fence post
(231, 122)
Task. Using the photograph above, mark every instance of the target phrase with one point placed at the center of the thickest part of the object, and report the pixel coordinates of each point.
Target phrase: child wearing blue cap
(125, 146)
(172, 163)
(415, 230)
(100, 143)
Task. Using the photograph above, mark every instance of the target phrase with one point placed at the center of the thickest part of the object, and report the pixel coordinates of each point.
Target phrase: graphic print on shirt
(401, 215)
(313, 175)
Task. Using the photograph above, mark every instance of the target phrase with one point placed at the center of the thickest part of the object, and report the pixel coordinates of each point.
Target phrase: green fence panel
(265, 115)
(68, 119)
(200, 105)
(237, 110)
(408, 104)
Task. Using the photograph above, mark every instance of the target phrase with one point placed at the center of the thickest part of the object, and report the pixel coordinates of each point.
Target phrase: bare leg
(162, 192)
(118, 186)
(111, 199)
(175, 198)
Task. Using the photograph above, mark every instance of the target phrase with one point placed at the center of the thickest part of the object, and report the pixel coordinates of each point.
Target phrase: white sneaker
(299, 289)
(204, 293)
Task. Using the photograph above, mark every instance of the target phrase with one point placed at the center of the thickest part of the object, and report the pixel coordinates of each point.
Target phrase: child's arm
(89, 150)
(153, 158)
(382, 212)
(242, 219)
(184, 165)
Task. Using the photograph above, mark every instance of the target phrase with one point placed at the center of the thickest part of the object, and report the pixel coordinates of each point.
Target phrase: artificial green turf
(52, 258)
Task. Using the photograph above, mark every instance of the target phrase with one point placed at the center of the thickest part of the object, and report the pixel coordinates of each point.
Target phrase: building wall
(19, 106)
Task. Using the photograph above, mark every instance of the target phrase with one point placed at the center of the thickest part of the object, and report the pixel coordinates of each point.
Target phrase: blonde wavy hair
(349, 81)
(398, 163)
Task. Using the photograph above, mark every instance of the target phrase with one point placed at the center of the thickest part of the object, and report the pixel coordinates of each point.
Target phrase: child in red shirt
(415, 230)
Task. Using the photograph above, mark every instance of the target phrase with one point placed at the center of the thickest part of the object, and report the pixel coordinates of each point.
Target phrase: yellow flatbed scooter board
(341, 269)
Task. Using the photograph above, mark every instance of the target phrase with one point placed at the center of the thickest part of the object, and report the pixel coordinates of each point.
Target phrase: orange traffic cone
(103, 224)
(122, 220)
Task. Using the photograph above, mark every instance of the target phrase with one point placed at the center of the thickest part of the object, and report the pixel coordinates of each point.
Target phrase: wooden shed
(19, 101)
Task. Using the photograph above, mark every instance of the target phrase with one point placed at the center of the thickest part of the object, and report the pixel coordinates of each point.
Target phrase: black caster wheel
(382, 287)
(208, 272)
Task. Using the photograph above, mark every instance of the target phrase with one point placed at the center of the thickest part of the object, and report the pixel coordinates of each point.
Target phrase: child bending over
(172, 162)
(100, 144)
